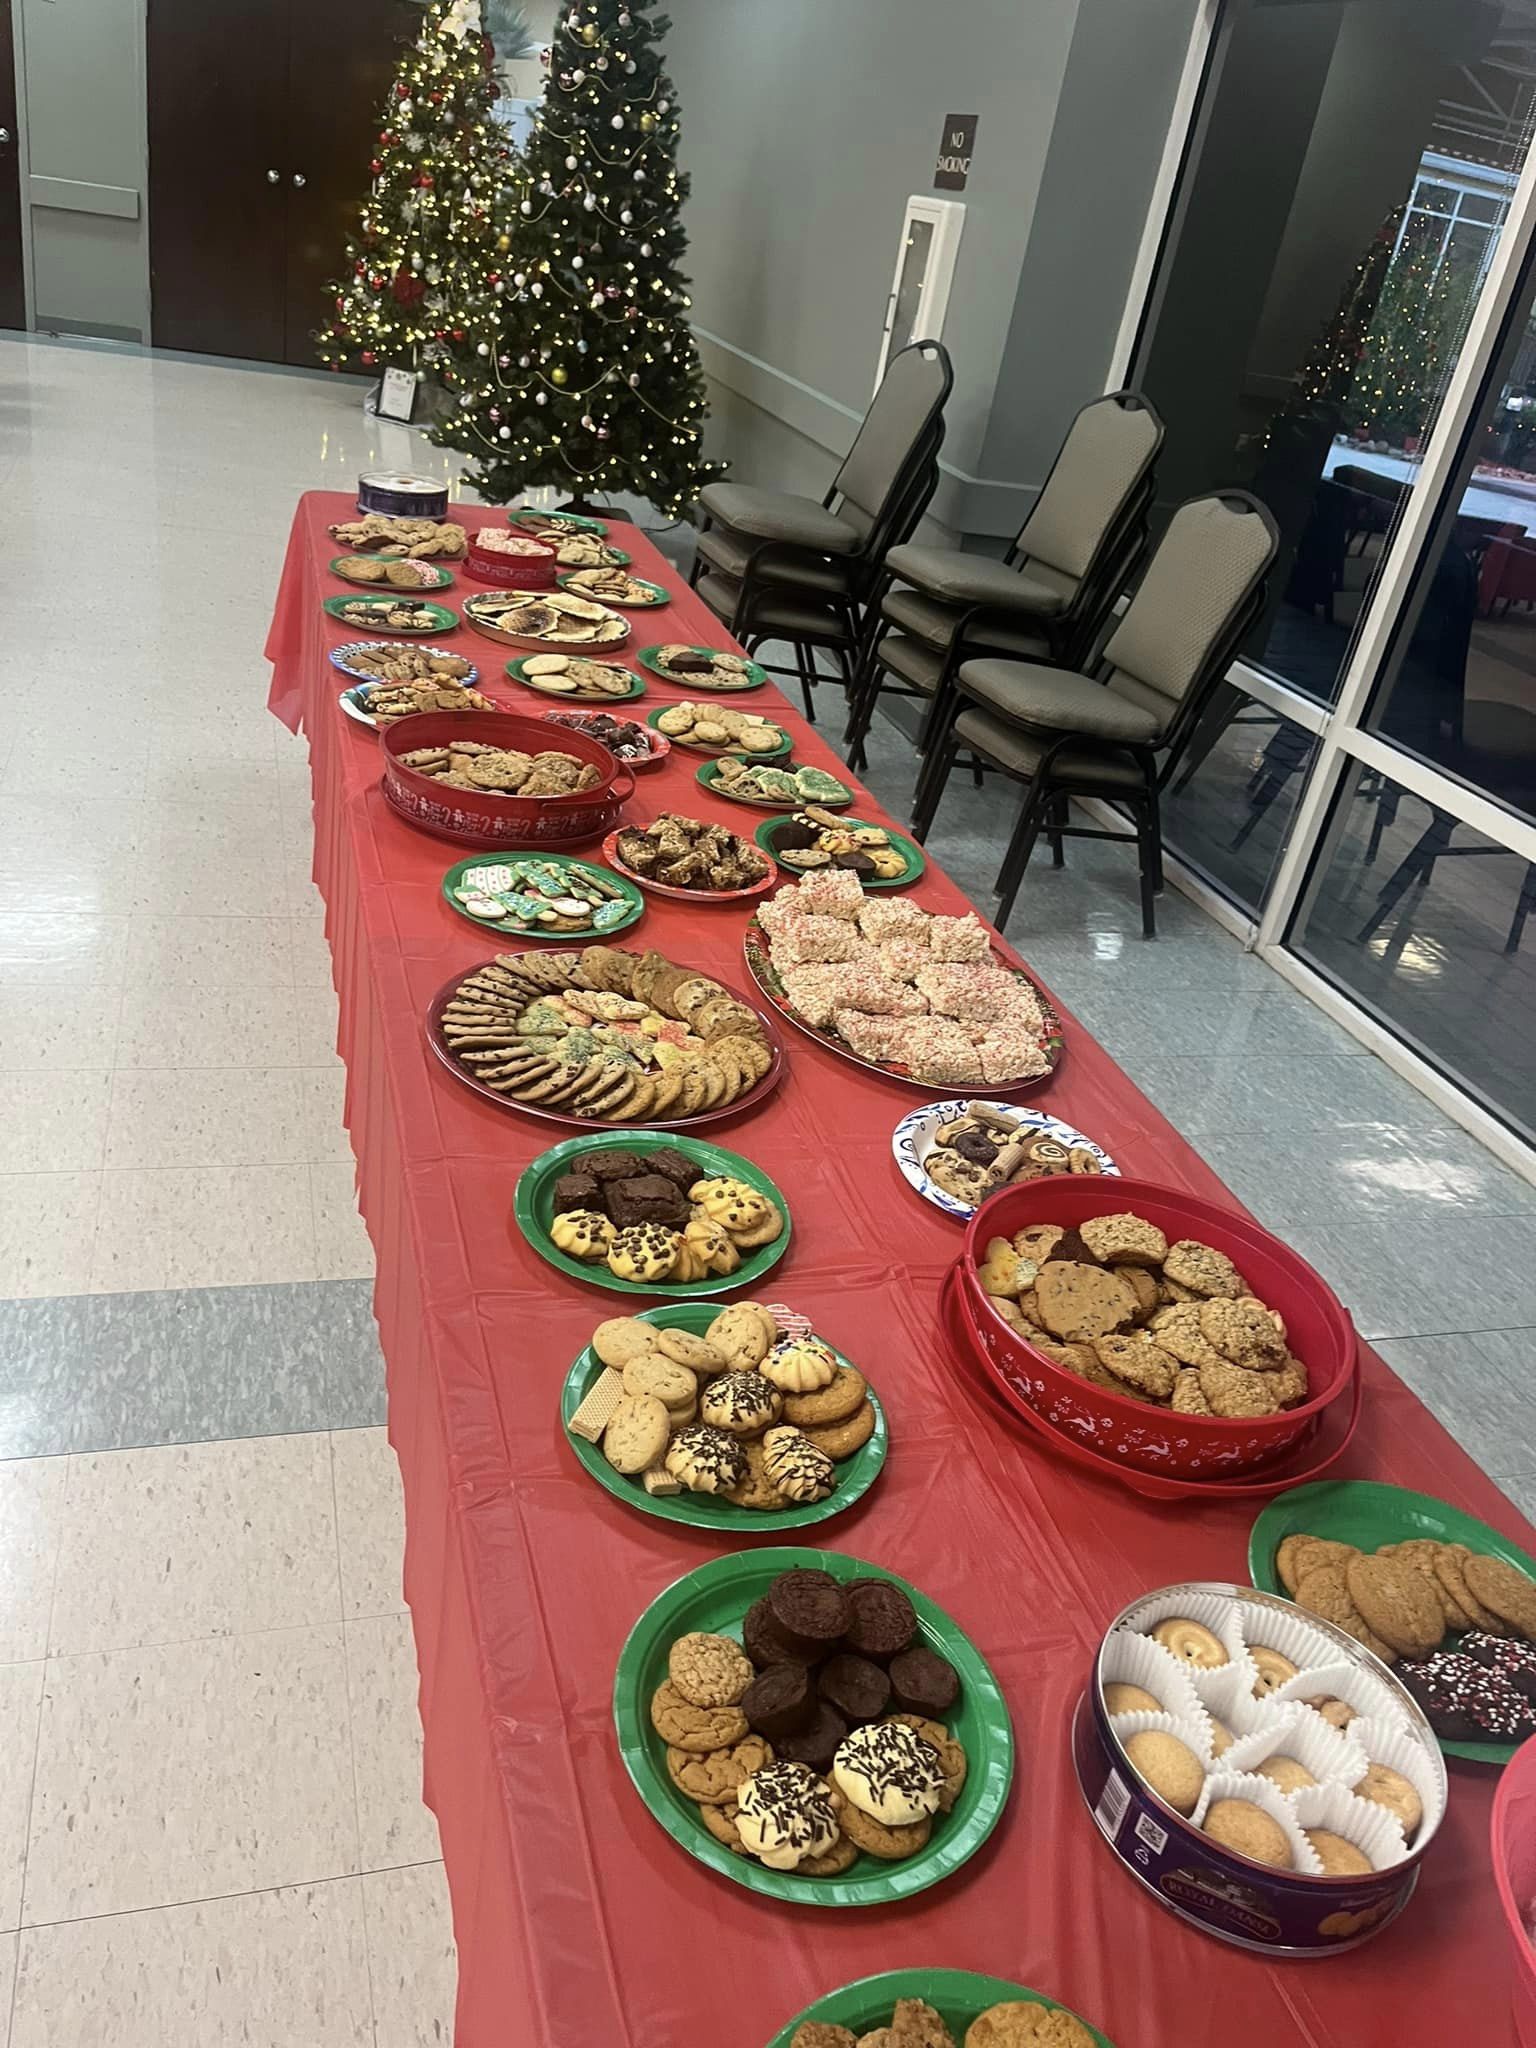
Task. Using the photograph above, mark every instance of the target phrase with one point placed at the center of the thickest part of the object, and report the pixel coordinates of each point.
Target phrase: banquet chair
(773, 565)
(1046, 600)
(1118, 733)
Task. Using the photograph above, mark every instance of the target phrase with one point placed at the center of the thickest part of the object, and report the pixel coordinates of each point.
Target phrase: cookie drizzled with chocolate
(890, 1773)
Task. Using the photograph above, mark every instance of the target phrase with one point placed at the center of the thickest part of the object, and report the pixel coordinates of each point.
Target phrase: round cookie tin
(400, 494)
(1252, 1905)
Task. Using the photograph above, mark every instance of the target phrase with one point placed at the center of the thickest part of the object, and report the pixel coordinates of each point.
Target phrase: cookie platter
(702, 668)
(398, 614)
(772, 786)
(721, 729)
(811, 839)
(956, 1153)
(613, 585)
(1257, 1769)
(1472, 1666)
(902, 2006)
(690, 860)
(603, 1036)
(637, 746)
(643, 1214)
(897, 991)
(405, 575)
(544, 619)
(546, 896)
(674, 1465)
(386, 661)
(922, 1801)
(576, 678)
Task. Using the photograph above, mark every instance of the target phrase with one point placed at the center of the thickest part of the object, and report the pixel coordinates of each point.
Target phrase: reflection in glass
(1322, 265)
(1430, 927)
(914, 275)
(1228, 808)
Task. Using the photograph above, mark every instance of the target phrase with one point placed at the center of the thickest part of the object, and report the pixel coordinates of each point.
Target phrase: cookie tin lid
(398, 480)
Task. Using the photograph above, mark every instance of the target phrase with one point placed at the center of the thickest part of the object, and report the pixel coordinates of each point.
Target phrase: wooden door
(219, 175)
(13, 298)
(341, 66)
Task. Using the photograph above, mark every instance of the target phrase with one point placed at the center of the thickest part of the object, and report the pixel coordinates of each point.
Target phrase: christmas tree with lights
(426, 231)
(578, 369)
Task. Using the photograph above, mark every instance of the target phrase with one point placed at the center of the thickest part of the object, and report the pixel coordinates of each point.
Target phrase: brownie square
(577, 1191)
(648, 1198)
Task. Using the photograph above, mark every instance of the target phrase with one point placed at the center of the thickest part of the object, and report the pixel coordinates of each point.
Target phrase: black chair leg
(1523, 909)
(863, 696)
(1155, 833)
(697, 569)
(936, 774)
(1147, 861)
(1053, 832)
(806, 660)
(1020, 847)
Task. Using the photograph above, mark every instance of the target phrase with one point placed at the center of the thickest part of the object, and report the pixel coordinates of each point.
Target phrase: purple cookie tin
(397, 494)
(1251, 1905)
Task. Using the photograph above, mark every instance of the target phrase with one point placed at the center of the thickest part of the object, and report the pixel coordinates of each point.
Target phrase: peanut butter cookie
(841, 1439)
(834, 1402)
(682, 1725)
(711, 1779)
(1504, 1590)
(1394, 1601)
(890, 1845)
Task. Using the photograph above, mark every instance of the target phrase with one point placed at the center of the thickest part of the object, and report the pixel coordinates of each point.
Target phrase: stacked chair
(1046, 601)
(1117, 732)
(774, 566)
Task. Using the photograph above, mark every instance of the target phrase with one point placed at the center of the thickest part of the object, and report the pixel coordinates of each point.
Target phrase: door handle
(5, 134)
(299, 178)
(274, 177)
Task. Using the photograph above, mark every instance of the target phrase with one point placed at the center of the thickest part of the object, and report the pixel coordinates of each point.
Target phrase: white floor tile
(412, 1962)
(31, 1527)
(275, 1969)
(203, 1226)
(209, 952)
(343, 1248)
(62, 950)
(54, 1121)
(231, 1116)
(189, 1771)
(312, 963)
(41, 1028)
(8, 1984)
(47, 1233)
(21, 1691)
(193, 1540)
(393, 1825)
(370, 1522)
(314, 1023)
(174, 1025)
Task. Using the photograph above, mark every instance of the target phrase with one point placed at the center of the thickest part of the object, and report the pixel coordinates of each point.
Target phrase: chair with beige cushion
(772, 565)
(1048, 597)
(1118, 733)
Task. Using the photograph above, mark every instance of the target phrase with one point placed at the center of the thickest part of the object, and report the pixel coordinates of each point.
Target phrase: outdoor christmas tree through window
(427, 227)
(579, 370)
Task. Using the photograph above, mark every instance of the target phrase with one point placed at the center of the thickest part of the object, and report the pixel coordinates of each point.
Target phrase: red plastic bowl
(1514, 1872)
(1130, 1433)
(485, 820)
(533, 571)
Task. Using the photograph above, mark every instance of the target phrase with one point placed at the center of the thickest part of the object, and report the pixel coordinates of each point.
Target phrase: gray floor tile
(1519, 1487)
(119, 1371)
(1277, 1092)
(1419, 1277)
(1490, 1411)
(1365, 1170)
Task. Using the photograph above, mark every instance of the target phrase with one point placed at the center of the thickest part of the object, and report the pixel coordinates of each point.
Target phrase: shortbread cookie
(709, 1671)
(1169, 1766)
(1389, 1788)
(795, 1465)
(1338, 1857)
(1285, 1772)
(742, 1402)
(1079, 1303)
(705, 1459)
(1271, 1668)
(841, 1439)
(1249, 1831)
(1120, 1698)
(1191, 1642)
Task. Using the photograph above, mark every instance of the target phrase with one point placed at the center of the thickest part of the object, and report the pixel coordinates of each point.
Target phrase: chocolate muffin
(779, 1701)
(647, 1198)
(859, 1690)
(762, 1641)
(577, 1191)
(882, 1621)
(816, 1743)
(609, 1166)
(810, 1611)
(922, 1682)
(677, 1166)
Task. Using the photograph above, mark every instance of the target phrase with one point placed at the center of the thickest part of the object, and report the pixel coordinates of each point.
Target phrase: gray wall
(84, 111)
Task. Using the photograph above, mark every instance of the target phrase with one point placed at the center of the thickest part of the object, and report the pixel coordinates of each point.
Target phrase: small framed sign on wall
(956, 146)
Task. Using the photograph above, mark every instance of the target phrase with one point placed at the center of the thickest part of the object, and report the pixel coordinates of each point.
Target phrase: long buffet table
(578, 1920)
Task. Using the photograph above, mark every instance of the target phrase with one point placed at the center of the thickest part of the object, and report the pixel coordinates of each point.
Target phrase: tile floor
(210, 1824)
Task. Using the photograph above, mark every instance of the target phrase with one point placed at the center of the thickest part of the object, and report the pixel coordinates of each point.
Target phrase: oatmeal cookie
(1177, 1329)
(834, 1402)
(709, 1671)
(1124, 1240)
(1242, 1331)
(1234, 1391)
(1139, 1362)
(1202, 1269)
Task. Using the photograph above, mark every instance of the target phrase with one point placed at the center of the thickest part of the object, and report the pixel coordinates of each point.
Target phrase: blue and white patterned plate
(341, 657)
(912, 1141)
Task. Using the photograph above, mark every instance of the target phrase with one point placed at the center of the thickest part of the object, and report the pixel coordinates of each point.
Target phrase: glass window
(1227, 807)
(1318, 276)
(1459, 684)
(1432, 928)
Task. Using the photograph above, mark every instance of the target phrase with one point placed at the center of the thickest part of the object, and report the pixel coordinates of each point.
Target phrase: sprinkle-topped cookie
(784, 1814)
(888, 1771)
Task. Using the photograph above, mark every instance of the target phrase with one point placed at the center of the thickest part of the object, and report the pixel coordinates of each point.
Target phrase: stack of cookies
(1175, 1325)
(818, 1737)
(1021, 2023)
(653, 1216)
(1403, 1600)
(740, 1412)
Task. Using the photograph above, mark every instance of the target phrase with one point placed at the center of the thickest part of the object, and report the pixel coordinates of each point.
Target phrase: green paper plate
(515, 671)
(631, 896)
(779, 753)
(1367, 1513)
(568, 579)
(444, 576)
(708, 777)
(756, 676)
(520, 514)
(533, 1206)
(957, 1996)
(856, 1475)
(764, 836)
(443, 620)
(715, 1598)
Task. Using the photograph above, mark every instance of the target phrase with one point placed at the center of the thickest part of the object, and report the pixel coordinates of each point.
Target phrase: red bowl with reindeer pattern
(487, 819)
(1137, 1436)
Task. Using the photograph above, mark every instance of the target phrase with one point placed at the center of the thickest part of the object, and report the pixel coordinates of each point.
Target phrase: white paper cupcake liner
(1352, 1683)
(1259, 1792)
(1385, 1742)
(1194, 1731)
(1130, 1659)
(1218, 1613)
(1291, 1730)
(1374, 1831)
(1277, 1629)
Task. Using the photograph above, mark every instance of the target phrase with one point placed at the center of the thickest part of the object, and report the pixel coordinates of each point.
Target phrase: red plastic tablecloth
(578, 1920)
